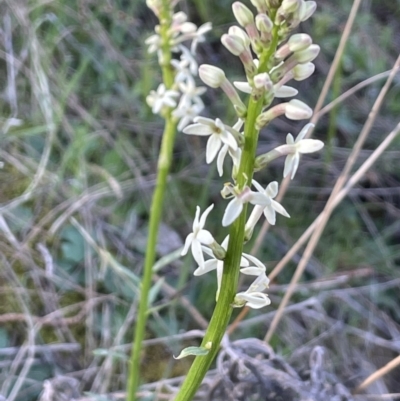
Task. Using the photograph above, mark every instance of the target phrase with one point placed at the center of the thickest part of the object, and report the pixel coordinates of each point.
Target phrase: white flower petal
(220, 160)
(205, 215)
(213, 146)
(251, 270)
(289, 139)
(254, 300)
(279, 208)
(270, 215)
(205, 237)
(196, 220)
(243, 86)
(188, 242)
(289, 161)
(208, 266)
(295, 164)
(198, 129)
(232, 211)
(272, 189)
(304, 132)
(255, 261)
(228, 139)
(309, 145)
(197, 252)
(259, 199)
(258, 186)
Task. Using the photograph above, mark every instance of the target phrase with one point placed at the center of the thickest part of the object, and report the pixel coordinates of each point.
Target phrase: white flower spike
(198, 236)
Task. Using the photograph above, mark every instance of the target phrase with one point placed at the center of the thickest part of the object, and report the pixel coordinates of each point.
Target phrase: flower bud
(285, 91)
(264, 23)
(260, 5)
(297, 110)
(307, 9)
(298, 42)
(243, 15)
(289, 6)
(239, 32)
(303, 71)
(233, 43)
(263, 81)
(218, 251)
(211, 76)
(307, 55)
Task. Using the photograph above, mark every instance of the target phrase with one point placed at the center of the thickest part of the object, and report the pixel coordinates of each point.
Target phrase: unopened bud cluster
(271, 57)
(183, 98)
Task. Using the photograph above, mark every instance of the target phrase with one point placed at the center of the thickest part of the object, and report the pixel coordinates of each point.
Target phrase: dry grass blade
(378, 374)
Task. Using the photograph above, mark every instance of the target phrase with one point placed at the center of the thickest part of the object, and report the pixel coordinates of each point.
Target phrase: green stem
(164, 163)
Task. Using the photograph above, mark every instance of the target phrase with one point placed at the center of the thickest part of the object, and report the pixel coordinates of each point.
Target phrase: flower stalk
(223, 309)
(265, 78)
(163, 102)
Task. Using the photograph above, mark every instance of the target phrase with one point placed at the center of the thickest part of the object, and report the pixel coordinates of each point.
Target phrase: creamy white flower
(255, 269)
(216, 264)
(186, 67)
(199, 36)
(198, 236)
(235, 206)
(234, 154)
(266, 205)
(190, 92)
(253, 297)
(300, 146)
(218, 132)
(186, 112)
(161, 98)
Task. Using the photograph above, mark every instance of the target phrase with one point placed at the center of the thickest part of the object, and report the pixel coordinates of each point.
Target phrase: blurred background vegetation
(80, 146)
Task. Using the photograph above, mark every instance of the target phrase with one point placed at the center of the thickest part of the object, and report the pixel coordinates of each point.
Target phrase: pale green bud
(264, 23)
(303, 71)
(233, 43)
(218, 251)
(260, 5)
(297, 110)
(307, 9)
(289, 6)
(298, 42)
(307, 55)
(211, 76)
(243, 15)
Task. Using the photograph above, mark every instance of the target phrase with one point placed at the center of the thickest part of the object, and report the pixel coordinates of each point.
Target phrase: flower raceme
(264, 80)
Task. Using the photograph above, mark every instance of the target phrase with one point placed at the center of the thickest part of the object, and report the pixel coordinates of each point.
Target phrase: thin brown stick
(378, 374)
(336, 60)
